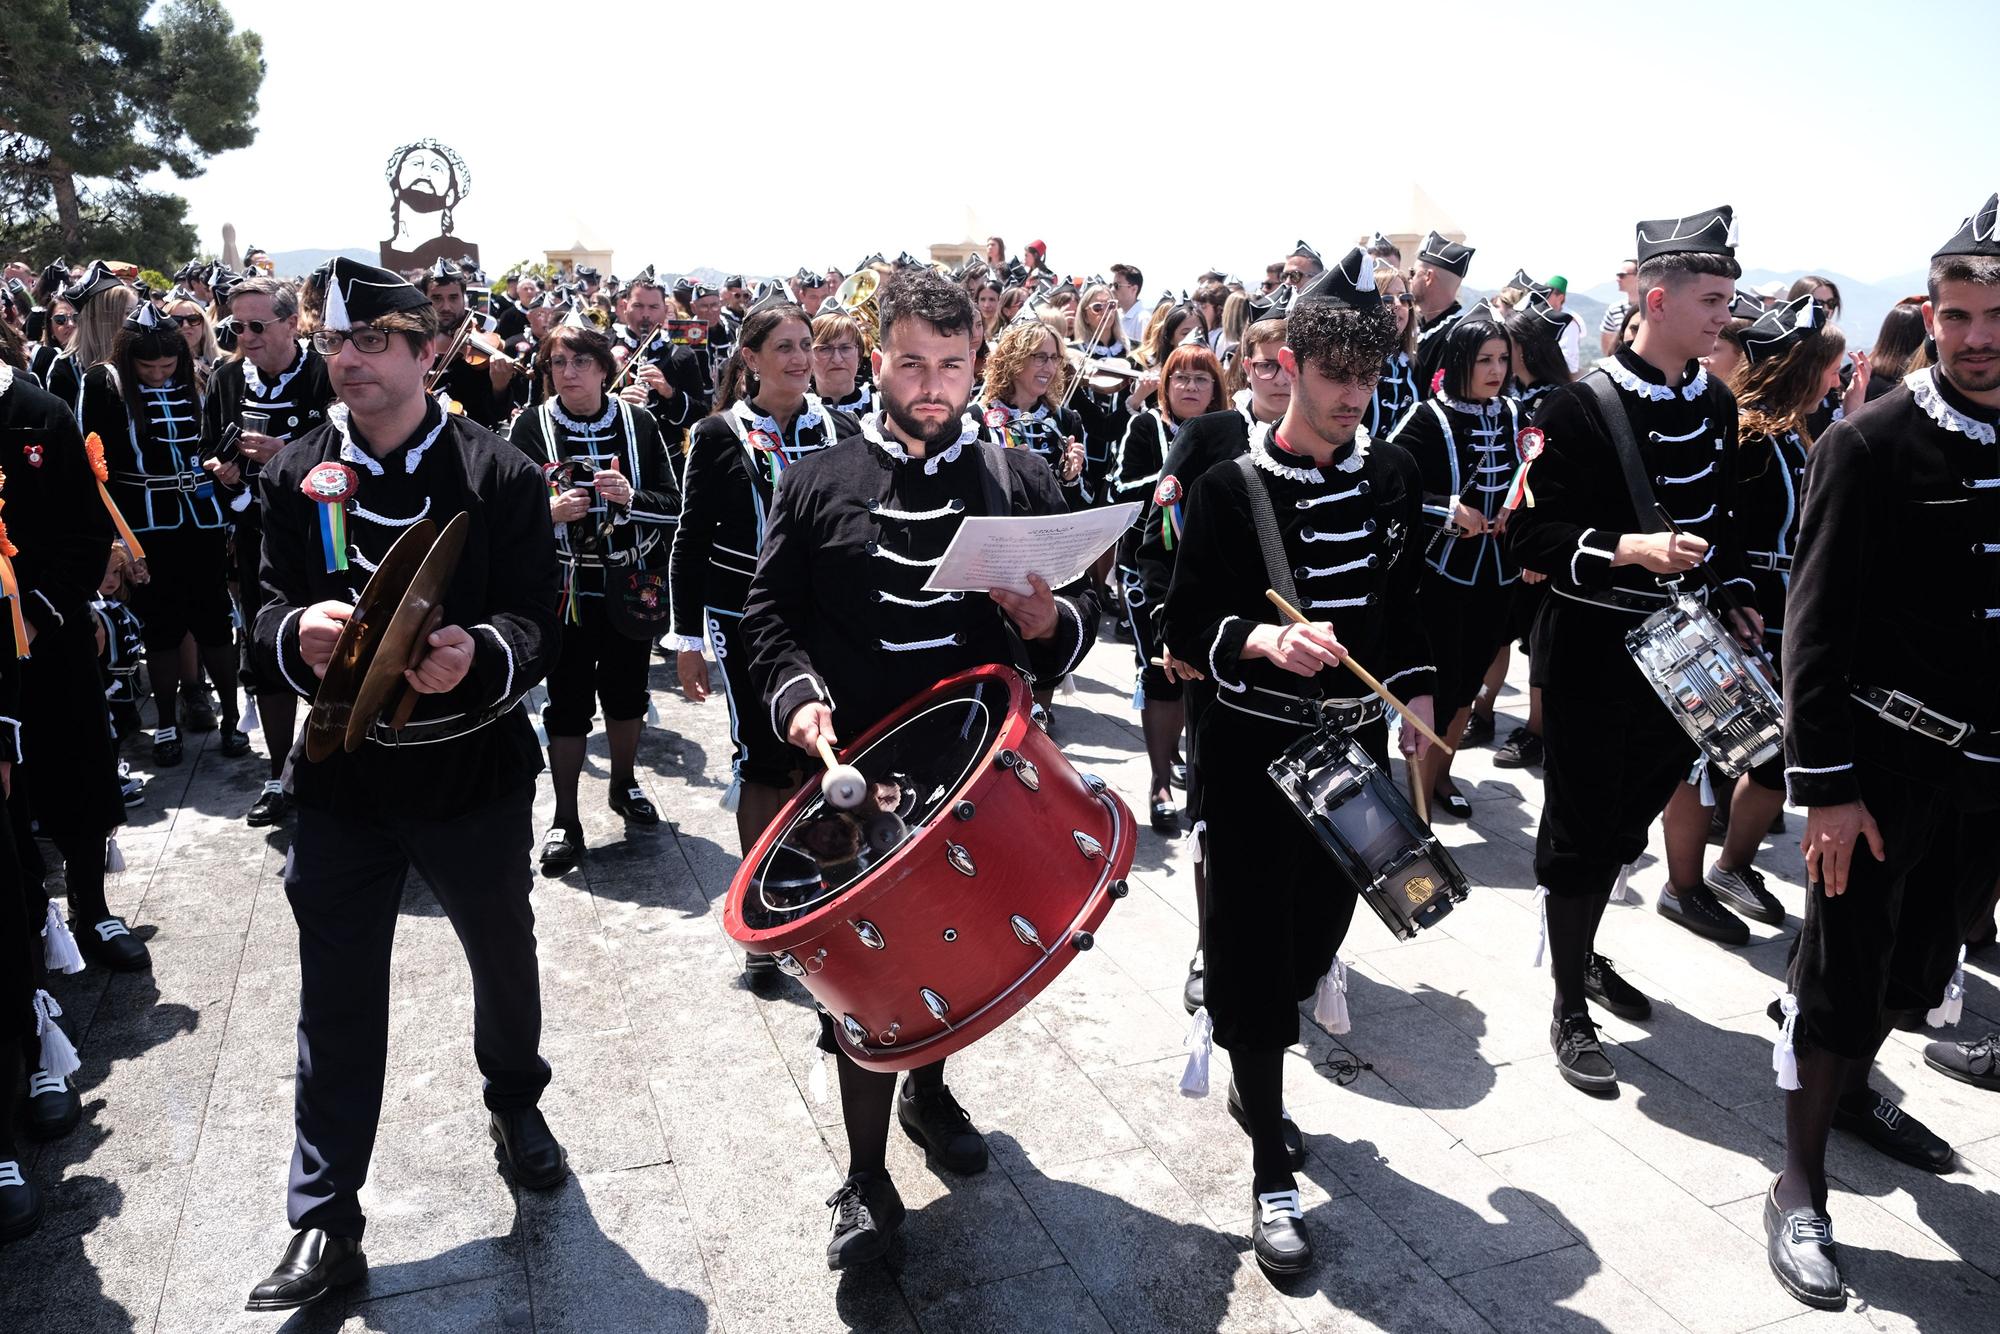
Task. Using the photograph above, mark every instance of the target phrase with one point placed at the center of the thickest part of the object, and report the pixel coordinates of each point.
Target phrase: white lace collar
(809, 416)
(1623, 377)
(361, 458)
(6, 378)
(1266, 456)
(1105, 350)
(575, 427)
(871, 426)
(1923, 387)
(256, 381)
(1490, 408)
(858, 402)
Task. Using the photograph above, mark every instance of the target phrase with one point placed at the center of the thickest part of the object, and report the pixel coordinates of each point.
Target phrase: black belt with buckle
(180, 481)
(1900, 710)
(427, 733)
(1778, 562)
(1342, 714)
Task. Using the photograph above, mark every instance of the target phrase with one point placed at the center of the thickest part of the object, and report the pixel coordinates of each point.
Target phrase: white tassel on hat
(1201, 1042)
(1621, 888)
(59, 951)
(1954, 997)
(1542, 938)
(1330, 999)
(1784, 1057)
(114, 856)
(59, 1056)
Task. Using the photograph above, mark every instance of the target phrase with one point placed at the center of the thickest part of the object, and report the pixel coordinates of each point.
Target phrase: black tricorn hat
(96, 281)
(1780, 327)
(1709, 232)
(1977, 235)
(1350, 283)
(1443, 253)
(357, 291)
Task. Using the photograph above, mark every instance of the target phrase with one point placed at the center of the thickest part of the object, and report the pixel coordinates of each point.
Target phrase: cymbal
(333, 702)
(416, 614)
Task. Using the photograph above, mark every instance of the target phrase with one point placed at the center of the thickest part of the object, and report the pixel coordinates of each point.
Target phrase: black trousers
(188, 589)
(1613, 760)
(595, 662)
(246, 544)
(344, 877)
(1890, 942)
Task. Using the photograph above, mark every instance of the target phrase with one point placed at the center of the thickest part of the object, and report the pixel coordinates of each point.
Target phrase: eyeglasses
(328, 342)
(237, 326)
(564, 365)
(1201, 380)
(1264, 368)
(1400, 298)
(191, 321)
(1043, 358)
(837, 352)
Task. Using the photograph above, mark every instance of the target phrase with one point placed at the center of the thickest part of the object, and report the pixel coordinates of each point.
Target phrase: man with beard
(1892, 740)
(1434, 283)
(676, 379)
(485, 393)
(427, 181)
(840, 638)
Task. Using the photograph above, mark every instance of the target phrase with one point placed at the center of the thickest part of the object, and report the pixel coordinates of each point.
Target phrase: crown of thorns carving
(457, 163)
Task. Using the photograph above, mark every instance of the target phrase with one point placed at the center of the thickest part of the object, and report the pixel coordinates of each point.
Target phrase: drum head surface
(913, 772)
(326, 725)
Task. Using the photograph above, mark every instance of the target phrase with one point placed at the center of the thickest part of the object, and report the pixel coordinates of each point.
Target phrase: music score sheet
(989, 553)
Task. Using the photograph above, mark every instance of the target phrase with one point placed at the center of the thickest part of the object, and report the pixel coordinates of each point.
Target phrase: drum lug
(960, 859)
(1119, 888)
(1009, 758)
(1095, 784)
(788, 965)
(870, 935)
(936, 1004)
(1082, 940)
(888, 1038)
(1030, 776)
(855, 1032)
(1025, 929)
(965, 810)
(1087, 845)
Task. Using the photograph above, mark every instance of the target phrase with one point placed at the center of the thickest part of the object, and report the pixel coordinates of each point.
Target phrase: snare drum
(1719, 695)
(979, 865)
(1370, 830)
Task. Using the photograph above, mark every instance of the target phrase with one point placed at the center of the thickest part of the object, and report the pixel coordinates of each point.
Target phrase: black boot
(313, 1265)
(525, 1143)
(866, 1213)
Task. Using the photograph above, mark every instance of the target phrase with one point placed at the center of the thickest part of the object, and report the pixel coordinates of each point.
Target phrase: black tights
(866, 1101)
(1260, 1086)
(1572, 937)
(165, 670)
(1824, 1078)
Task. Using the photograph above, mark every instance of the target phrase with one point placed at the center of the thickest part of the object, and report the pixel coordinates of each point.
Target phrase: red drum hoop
(978, 867)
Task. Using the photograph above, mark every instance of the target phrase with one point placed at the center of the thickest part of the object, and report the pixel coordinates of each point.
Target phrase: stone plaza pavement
(1456, 1183)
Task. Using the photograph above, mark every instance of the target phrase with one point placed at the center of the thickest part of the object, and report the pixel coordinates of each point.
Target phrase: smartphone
(225, 449)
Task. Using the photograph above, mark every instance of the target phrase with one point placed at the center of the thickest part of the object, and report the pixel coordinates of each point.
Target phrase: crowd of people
(751, 479)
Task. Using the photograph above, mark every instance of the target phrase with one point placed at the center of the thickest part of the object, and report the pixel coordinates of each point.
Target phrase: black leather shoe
(1194, 991)
(198, 708)
(1613, 992)
(1799, 1243)
(1453, 801)
(20, 1202)
(866, 1213)
(111, 943)
(1166, 817)
(1580, 1056)
(761, 971)
(933, 1118)
(270, 806)
(1697, 909)
(166, 747)
(1888, 1128)
(234, 743)
(314, 1264)
(562, 848)
(533, 1158)
(1177, 775)
(1295, 1143)
(632, 804)
(1478, 730)
(53, 1107)
(1278, 1233)
(1976, 1063)
(1522, 750)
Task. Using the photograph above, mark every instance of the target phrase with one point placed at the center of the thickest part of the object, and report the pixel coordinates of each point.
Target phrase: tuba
(856, 296)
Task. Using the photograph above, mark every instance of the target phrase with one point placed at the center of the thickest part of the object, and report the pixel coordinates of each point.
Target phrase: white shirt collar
(871, 426)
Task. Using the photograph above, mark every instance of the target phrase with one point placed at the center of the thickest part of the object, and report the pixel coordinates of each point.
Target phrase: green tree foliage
(95, 95)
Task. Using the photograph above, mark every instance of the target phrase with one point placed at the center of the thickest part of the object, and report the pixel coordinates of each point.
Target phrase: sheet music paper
(989, 553)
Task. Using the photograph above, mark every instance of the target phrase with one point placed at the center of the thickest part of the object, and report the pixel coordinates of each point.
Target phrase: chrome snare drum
(1371, 831)
(1719, 693)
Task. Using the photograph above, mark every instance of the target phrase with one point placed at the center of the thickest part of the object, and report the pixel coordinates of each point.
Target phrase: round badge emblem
(330, 483)
(1530, 441)
(1169, 492)
(764, 440)
(996, 417)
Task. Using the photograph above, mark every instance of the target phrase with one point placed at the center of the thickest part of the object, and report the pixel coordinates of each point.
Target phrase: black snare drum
(1371, 831)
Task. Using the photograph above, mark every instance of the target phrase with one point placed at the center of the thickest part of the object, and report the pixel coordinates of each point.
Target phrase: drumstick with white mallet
(843, 786)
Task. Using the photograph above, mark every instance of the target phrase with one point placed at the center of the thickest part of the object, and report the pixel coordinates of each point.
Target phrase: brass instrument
(856, 296)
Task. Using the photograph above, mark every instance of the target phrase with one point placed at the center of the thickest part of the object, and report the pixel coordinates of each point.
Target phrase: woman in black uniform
(144, 409)
(840, 350)
(1396, 386)
(1019, 404)
(614, 500)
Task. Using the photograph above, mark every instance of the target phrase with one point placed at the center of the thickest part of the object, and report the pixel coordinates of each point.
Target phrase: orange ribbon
(94, 447)
(10, 587)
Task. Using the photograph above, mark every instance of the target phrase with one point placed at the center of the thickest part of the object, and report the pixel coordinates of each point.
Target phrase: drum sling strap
(1645, 506)
(1265, 519)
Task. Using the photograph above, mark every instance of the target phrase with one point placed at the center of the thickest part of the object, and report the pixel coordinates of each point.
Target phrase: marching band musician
(613, 491)
(1347, 514)
(280, 379)
(1463, 439)
(842, 633)
(1210, 439)
(1020, 404)
(768, 420)
(1396, 387)
(675, 378)
(839, 347)
(1099, 336)
(1434, 282)
(1614, 755)
(452, 792)
(1893, 738)
(486, 387)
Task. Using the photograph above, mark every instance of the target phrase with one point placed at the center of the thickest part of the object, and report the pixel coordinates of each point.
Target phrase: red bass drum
(977, 867)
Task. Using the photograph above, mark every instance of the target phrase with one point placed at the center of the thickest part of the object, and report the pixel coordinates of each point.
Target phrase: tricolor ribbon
(94, 448)
(1530, 442)
(1170, 526)
(774, 454)
(329, 485)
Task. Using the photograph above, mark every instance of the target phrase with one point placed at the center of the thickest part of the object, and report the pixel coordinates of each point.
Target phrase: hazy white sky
(766, 134)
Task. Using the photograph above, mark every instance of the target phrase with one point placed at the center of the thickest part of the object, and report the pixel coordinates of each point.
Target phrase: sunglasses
(328, 342)
(237, 326)
(62, 319)
(187, 321)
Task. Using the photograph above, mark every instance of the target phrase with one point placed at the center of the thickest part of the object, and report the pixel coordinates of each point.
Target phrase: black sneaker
(1800, 1249)
(1478, 730)
(1700, 912)
(1887, 1127)
(1522, 750)
(932, 1118)
(1613, 992)
(1975, 1063)
(1580, 1056)
(1743, 891)
(866, 1213)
